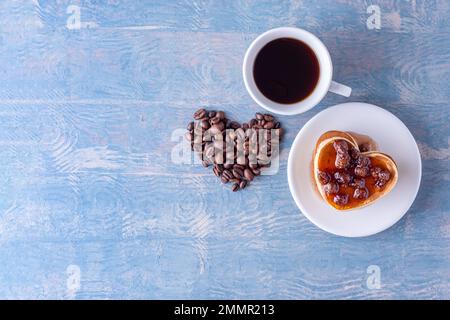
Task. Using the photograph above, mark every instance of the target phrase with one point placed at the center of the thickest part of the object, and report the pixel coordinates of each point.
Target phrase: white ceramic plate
(392, 137)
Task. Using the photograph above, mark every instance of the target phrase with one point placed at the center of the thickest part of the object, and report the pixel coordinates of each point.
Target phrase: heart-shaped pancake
(349, 172)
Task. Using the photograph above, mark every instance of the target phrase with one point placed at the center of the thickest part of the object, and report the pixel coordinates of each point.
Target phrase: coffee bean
(269, 125)
(205, 124)
(239, 166)
(216, 172)
(228, 165)
(219, 169)
(238, 173)
(256, 171)
(189, 136)
(277, 125)
(245, 126)
(259, 116)
(224, 179)
(199, 114)
(248, 174)
(234, 125)
(253, 165)
(214, 120)
(235, 187)
(243, 184)
(220, 114)
(252, 123)
(227, 173)
(211, 114)
(268, 117)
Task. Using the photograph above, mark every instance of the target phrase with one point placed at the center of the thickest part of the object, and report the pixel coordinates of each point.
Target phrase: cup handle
(340, 89)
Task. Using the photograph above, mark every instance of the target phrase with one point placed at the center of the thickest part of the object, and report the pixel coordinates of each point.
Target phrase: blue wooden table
(93, 206)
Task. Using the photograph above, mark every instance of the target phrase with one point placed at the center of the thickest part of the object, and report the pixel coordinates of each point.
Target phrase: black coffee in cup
(286, 70)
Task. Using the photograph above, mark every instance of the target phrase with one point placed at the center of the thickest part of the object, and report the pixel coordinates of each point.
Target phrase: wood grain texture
(86, 119)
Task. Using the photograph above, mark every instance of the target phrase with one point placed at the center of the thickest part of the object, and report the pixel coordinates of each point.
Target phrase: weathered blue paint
(88, 189)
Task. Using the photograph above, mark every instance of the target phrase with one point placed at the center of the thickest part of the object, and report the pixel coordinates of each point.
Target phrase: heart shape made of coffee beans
(236, 151)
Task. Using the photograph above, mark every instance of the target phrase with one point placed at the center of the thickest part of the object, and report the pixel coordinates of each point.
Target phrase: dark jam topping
(347, 176)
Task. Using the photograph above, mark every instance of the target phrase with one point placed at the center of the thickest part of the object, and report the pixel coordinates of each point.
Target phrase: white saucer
(393, 138)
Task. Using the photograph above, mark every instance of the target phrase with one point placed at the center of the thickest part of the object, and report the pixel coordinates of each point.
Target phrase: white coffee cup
(324, 84)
